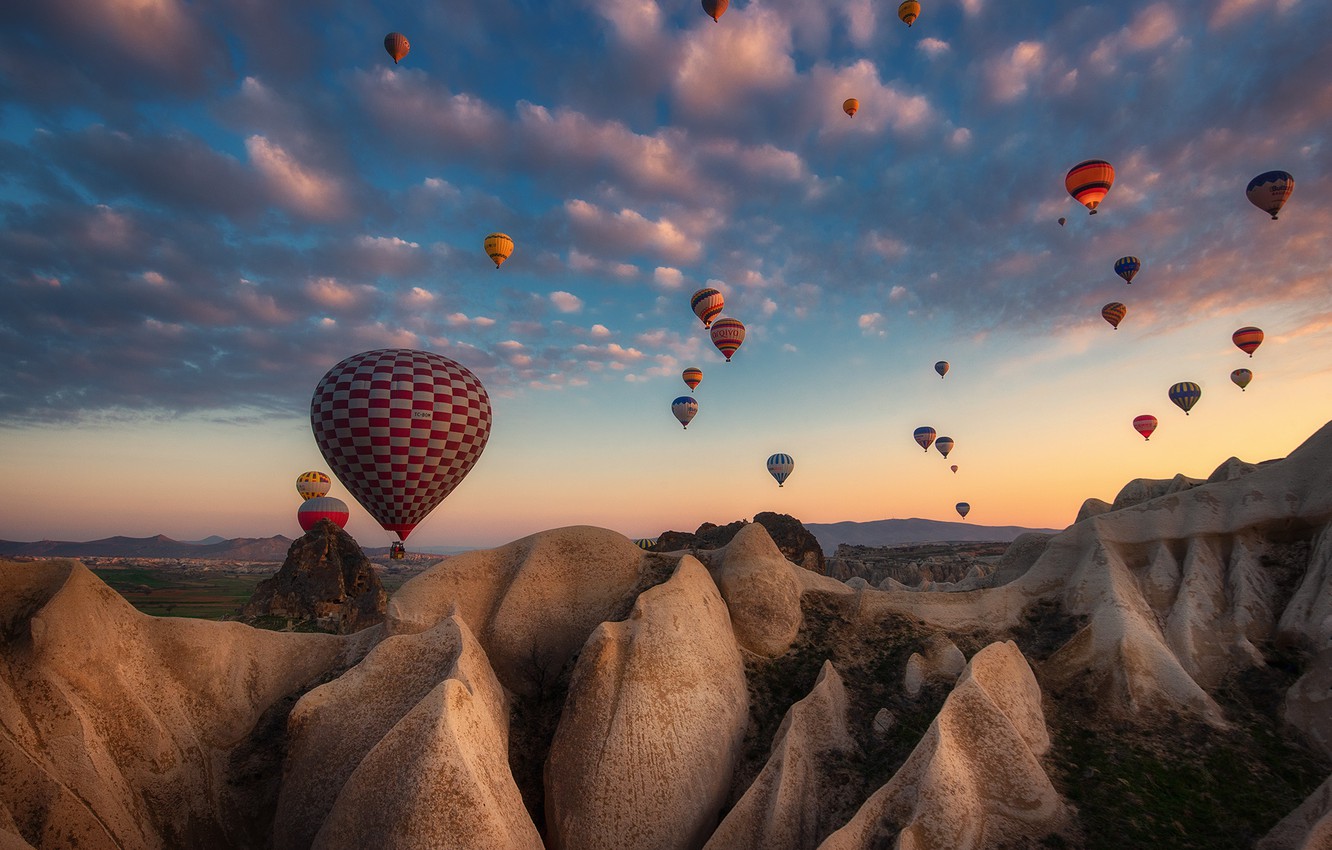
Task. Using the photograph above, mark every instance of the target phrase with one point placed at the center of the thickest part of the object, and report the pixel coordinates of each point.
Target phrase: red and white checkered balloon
(400, 429)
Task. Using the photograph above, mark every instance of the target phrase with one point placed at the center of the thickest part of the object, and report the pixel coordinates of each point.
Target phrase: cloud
(721, 65)
(1228, 12)
(667, 278)
(461, 320)
(294, 186)
(1150, 28)
(332, 294)
(566, 302)
(1011, 73)
(871, 324)
(632, 232)
(933, 47)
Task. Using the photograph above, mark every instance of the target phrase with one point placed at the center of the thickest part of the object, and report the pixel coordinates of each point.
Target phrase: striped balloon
(685, 409)
(1114, 313)
(1089, 181)
(1144, 424)
(645, 543)
(727, 335)
(400, 429)
(1185, 395)
(924, 436)
(707, 304)
(1127, 268)
(1241, 378)
(1270, 190)
(780, 466)
(498, 247)
(944, 445)
(1247, 339)
(312, 484)
(397, 45)
(313, 510)
(692, 376)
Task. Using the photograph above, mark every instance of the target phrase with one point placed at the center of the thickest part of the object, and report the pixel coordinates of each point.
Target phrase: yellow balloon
(850, 105)
(499, 246)
(908, 12)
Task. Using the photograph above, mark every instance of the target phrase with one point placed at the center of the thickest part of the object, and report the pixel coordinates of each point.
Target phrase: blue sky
(206, 205)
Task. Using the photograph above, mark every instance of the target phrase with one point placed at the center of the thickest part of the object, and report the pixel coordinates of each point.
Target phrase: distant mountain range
(883, 532)
(900, 532)
(237, 549)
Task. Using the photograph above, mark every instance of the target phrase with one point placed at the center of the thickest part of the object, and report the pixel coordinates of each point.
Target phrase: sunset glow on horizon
(193, 235)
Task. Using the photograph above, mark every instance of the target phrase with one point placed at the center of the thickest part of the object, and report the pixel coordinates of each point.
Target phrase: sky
(205, 205)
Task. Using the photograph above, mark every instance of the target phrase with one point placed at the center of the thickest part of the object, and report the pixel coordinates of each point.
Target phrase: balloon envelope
(692, 376)
(397, 45)
(727, 335)
(1114, 313)
(924, 436)
(908, 12)
(954, 468)
(944, 445)
(313, 510)
(1089, 181)
(780, 466)
(715, 8)
(498, 247)
(312, 484)
(1247, 339)
(963, 509)
(1144, 424)
(1241, 377)
(1185, 395)
(400, 429)
(685, 409)
(941, 367)
(1062, 220)
(1270, 190)
(645, 543)
(707, 304)
(1127, 267)
(850, 105)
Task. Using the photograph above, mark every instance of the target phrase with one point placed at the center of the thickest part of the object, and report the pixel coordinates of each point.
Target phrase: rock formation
(792, 539)
(573, 692)
(325, 578)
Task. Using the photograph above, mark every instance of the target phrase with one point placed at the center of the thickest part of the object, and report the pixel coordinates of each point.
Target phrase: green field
(211, 595)
(173, 593)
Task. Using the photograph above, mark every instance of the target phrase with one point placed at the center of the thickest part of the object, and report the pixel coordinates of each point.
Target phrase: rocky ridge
(569, 690)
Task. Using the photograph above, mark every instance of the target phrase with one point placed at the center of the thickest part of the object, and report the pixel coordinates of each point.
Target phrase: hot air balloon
(645, 543)
(715, 8)
(400, 429)
(1270, 190)
(944, 445)
(1241, 377)
(954, 468)
(727, 335)
(397, 45)
(1144, 424)
(692, 376)
(1185, 395)
(1247, 339)
(963, 509)
(908, 12)
(780, 466)
(850, 105)
(498, 247)
(707, 304)
(685, 409)
(313, 510)
(1127, 267)
(312, 484)
(941, 367)
(1062, 220)
(1089, 181)
(1114, 313)
(924, 435)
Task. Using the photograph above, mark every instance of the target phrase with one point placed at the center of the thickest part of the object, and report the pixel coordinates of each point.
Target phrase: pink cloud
(296, 187)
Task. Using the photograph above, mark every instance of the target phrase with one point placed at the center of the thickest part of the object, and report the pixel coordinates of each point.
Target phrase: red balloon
(322, 507)
(400, 429)
(1144, 424)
